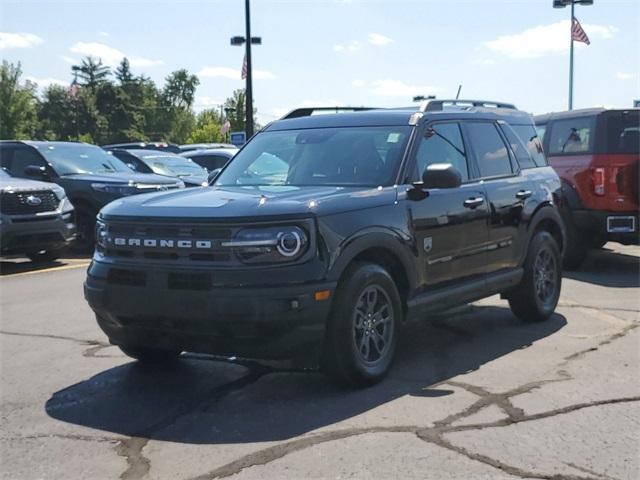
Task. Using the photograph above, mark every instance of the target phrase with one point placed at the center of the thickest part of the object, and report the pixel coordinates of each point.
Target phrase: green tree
(91, 73)
(57, 114)
(207, 127)
(180, 89)
(18, 118)
(123, 72)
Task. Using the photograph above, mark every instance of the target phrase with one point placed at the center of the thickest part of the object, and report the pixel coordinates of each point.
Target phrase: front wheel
(44, 256)
(537, 295)
(362, 330)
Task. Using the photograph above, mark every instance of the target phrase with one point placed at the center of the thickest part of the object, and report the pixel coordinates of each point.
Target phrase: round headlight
(289, 243)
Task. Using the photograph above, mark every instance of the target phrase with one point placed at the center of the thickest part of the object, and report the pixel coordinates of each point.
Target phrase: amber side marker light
(322, 295)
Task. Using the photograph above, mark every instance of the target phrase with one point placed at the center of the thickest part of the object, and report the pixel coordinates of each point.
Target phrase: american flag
(243, 73)
(577, 33)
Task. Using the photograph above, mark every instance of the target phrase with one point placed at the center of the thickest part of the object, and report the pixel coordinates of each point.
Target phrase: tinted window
(541, 130)
(491, 152)
(69, 159)
(518, 148)
(622, 132)
(530, 138)
(573, 135)
(22, 158)
(349, 156)
(442, 143)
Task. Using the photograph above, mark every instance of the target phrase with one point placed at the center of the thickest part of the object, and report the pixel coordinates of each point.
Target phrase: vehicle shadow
(11, 265)
(607, 268)
(209, 402)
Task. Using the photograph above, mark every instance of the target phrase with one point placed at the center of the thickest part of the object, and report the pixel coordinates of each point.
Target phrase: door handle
(522, 194)
(473, 202)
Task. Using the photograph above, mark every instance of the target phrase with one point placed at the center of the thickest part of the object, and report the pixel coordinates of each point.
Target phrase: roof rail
(308, 111)
(433, 105)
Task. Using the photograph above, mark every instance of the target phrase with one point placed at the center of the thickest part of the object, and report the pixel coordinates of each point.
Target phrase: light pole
(562, 4)
(248, 40)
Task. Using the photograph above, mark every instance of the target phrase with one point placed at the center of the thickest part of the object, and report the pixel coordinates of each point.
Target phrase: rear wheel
(150, 355)
(44, 256)
(535, 299)
(86, 224)
(362, 330)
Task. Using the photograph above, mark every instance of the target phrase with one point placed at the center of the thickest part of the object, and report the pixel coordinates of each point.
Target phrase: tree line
(103, 106)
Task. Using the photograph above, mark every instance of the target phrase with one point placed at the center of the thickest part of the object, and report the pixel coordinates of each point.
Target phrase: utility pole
(248, 40)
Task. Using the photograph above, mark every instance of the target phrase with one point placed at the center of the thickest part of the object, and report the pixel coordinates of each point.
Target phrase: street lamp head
(236, 41)
(585, 2)
(256, 40)
(561, 3)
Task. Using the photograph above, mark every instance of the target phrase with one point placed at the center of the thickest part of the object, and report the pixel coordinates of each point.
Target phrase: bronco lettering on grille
(160, 243)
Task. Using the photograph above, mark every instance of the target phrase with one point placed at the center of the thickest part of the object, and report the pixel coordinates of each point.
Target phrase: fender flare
(378, 238)
(546, 212)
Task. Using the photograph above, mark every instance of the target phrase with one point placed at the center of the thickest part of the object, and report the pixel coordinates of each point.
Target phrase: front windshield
(173, 166)
(75, 159)
(345, 156)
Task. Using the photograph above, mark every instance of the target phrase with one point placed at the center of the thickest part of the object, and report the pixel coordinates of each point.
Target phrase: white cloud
(279, 112)
(104, 34)
(545, 40)
(234, 74)
(68, 60)
(18, 40)
(111, 56)
(624, 76)
(483, 61)
(43, 83)
(323, 103)
(397, 88)
(358, 83)
(379, 39)
(350, 47)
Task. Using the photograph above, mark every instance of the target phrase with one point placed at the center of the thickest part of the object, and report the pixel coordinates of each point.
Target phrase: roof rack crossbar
(308, 111)
(432, 105)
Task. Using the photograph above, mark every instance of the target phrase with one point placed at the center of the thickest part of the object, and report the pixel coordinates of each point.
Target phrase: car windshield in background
(623, 132)
(76, 159)
(346, 156)
(173, 166)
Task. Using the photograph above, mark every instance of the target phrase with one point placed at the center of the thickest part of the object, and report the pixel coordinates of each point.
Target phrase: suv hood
(123, 177)
(242, 202)
(23, 184)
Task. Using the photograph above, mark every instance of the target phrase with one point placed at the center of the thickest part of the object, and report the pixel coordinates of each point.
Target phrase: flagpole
(571, 57)
(249, 88)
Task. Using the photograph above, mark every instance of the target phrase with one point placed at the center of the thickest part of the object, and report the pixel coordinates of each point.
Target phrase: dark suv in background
(89, 175)
(164, 163)
(326, 232)
(36, 218)
(596, 152)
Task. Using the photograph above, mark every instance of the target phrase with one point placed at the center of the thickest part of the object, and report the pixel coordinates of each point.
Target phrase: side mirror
(441, 175)
(36, 171)
(213, 174)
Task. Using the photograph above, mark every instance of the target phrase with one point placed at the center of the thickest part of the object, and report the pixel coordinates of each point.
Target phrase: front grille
(171, 231)
(25, 203)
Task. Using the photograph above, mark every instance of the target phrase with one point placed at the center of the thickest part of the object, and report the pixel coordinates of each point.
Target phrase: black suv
(90, 176)
(326, 232)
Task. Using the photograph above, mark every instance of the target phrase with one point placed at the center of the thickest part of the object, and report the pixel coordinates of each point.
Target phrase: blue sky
(342, 52)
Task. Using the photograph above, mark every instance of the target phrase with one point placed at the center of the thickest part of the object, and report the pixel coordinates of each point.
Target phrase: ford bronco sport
(326, 232)
(596, 153)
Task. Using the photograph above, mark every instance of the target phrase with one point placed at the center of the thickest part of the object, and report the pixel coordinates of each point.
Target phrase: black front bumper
(166, 309)
(609, 225)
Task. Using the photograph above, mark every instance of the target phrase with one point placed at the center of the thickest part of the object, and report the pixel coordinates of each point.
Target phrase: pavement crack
(70, 436)
(589, 471)
(81, 341)
(137, 464)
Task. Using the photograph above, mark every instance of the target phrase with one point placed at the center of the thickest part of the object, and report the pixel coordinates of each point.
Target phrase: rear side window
(518, 148)
(532, 141)
(572, 135)
(622, 132)
(492, 154)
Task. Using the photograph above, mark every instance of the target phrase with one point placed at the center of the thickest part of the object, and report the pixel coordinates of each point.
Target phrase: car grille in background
(17, 203)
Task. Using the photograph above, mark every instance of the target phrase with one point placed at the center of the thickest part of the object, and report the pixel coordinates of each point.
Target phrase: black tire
(44, 256)
(536, 297)
(363, 327)
(150, 355)
(577, 248)
(86, 225)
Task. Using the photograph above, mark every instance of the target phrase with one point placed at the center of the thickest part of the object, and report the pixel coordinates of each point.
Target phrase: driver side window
(442, 143)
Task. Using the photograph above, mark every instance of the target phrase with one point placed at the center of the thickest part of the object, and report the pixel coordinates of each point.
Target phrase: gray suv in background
(36, 218)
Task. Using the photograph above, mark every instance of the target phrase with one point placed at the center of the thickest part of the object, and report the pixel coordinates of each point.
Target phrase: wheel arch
(547, 218)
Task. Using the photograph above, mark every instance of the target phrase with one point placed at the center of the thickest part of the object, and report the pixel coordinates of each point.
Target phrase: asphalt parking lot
(474, 394)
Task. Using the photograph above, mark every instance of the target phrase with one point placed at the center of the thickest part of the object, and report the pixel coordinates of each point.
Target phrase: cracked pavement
(474, 394)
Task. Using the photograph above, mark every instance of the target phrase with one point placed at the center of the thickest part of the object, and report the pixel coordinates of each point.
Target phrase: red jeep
(596, 154)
